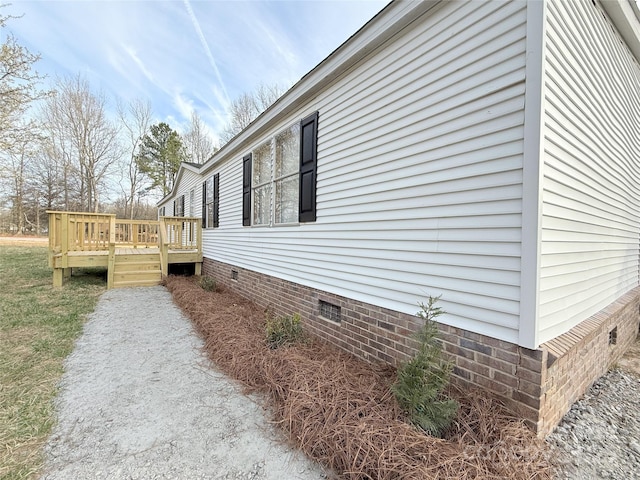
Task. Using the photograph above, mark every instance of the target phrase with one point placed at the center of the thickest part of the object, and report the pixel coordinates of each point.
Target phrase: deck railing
(179, 233)
(100, 232)
(137, 233)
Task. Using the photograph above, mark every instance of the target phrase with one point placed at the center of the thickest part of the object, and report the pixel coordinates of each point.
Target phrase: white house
(485, 151)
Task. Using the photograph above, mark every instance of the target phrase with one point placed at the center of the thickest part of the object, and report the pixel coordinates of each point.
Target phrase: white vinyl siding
(591, 189)
(419, 180)
(188, 180)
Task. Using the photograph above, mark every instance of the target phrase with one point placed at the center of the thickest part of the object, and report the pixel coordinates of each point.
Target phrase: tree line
(63, 149)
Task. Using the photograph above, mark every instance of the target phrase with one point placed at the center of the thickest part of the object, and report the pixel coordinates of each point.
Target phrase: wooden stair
(140, 270)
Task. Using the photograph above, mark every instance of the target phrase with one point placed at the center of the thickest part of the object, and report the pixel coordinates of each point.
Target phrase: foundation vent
(330, 311)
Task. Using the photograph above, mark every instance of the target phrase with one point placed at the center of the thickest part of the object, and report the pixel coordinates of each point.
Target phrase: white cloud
(206, 48)
(181, 55)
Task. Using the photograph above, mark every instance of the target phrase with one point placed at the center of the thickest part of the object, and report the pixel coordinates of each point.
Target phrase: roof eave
(387, 23)
(625, 15)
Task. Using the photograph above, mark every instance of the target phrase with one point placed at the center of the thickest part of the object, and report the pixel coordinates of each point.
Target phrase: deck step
(137, 278)
(136, 283)
(136, 267)
(137, 270)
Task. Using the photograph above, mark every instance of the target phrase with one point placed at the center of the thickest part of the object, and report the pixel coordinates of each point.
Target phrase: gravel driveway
(140, 400)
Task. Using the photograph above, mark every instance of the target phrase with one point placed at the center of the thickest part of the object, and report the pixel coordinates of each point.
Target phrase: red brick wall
(535, 384)
(576, 359)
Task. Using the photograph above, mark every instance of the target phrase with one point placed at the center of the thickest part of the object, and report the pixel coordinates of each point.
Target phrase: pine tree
(421, 381)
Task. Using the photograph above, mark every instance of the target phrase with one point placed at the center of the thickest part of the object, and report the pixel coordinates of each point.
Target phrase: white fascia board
(532, 176)
(625, 15)
(387, 23)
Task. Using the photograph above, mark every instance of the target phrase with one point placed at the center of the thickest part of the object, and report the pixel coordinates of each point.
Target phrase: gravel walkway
(599, 438)
(140, 400)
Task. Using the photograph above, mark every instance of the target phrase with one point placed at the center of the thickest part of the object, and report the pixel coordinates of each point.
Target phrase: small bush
(208, 284)
(422, 379)
(283, 330)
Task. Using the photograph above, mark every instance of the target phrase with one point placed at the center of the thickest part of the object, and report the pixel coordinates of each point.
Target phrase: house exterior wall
(591, 190)
(188, 180)
(419, 178)
(377, 334)
(420, 191)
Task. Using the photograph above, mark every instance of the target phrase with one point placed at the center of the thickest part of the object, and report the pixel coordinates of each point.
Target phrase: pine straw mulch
(339, 410)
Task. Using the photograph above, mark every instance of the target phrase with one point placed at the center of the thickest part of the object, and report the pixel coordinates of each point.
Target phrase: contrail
(205, 45)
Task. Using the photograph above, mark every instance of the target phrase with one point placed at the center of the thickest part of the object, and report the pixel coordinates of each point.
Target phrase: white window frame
(270, 183)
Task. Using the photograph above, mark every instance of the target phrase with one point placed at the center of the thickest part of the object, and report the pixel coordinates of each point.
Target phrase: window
(161, 211)
(192, 201)
(279, 177)
(261, 184)
(178, 206)
(211, 202)
(286, 175)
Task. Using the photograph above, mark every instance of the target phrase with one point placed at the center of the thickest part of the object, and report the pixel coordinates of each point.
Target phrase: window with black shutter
(246, 190)
(178, 206)
(204, 204)
(279, 177)
(216, 200)
(308, 168)
(210, 197)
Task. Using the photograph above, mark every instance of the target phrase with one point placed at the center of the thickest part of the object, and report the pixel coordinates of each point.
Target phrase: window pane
(261, 205)
(286, 200)
(209, 189)
(262, 164)
(287, 152)
(210, 215)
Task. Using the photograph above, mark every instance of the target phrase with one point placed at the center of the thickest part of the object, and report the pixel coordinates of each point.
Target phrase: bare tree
(198, 145)
(56, 160)
(18, 87)
(20, 188)
(136, 120)
(246, 108)
(83, 136)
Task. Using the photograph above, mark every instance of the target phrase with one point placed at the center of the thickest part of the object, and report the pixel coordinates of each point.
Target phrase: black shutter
(174, 207)
(204, 204)
(216, 200)
(308, 167)
(246, 190)
(182, 206)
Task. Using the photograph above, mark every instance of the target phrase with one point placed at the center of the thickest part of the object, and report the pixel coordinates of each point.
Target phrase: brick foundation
(575, 360)
(538, 385)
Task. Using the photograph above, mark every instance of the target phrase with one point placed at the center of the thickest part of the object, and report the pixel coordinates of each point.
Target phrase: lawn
(38, 327)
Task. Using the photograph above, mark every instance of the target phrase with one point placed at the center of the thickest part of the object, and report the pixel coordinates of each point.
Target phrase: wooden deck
(135, 253)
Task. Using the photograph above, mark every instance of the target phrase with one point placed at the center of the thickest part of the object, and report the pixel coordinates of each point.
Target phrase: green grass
(38, 327)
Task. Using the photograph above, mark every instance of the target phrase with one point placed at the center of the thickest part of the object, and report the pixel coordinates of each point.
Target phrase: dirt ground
(26, 241)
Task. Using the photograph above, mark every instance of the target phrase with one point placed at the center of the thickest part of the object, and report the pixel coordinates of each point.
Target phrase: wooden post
(111, 266)
(164, 250)
(112, 252)
(197, 224)
(64, 239)
(58, 277)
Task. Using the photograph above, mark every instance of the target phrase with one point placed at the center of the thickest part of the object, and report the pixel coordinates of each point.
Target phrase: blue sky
(185, 55)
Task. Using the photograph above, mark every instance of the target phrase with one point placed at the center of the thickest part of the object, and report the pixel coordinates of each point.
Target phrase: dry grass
(339, 410)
